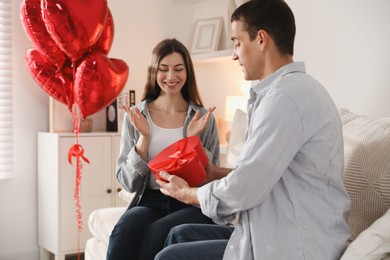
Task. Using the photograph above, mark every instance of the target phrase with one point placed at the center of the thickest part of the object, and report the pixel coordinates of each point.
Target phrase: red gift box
(185, 158)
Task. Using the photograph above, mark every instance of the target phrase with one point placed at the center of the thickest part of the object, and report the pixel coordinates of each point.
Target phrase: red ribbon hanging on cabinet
(77, 151)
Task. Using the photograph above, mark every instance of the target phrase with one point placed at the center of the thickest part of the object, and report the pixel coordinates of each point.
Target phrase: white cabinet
(57, 212)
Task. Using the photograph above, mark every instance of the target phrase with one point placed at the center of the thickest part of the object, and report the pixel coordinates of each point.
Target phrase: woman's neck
(170, 104)
(168, 112)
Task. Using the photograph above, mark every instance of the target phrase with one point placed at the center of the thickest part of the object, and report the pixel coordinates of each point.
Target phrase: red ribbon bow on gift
(178, 158)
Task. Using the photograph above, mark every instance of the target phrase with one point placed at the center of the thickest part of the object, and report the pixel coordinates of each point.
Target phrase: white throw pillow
(237, 138)
(366, 168)
(373, 243)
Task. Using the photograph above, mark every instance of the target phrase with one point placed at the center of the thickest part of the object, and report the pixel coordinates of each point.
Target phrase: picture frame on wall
(206, 35)
(132, 98)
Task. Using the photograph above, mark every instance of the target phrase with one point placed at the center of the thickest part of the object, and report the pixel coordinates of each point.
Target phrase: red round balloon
(75, 26)
(56, 83)
(35, 29)
(98, 81)
(105, 41)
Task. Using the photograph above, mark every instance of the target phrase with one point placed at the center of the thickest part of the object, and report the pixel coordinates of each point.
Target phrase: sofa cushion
(373, 243)
(366, 168)
(126, 196)
(102, 221)
(95, 249)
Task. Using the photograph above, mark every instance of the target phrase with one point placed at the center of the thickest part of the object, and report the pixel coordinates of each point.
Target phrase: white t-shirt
(160, 139)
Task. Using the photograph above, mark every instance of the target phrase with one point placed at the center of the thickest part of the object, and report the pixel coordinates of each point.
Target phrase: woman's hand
(198, 124)
(138, 121)
(142, 126)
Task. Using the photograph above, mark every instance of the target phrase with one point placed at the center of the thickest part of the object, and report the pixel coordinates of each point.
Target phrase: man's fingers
(164, 184)
(165, 192)
(165, 175)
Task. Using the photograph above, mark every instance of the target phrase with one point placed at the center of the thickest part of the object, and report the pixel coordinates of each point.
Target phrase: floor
(75, 257)
(69, 257)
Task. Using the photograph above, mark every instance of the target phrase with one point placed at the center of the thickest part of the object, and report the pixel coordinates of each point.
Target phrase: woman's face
(171, 73)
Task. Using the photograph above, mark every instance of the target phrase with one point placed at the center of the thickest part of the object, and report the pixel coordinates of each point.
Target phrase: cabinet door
(95, 181)
(117, 201)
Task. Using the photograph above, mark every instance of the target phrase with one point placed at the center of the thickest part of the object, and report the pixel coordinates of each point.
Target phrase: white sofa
(366, 176)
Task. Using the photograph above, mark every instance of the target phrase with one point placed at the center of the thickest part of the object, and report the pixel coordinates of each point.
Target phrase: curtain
(6, 110)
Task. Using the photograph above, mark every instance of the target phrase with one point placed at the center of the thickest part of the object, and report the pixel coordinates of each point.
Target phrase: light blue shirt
(287, 186)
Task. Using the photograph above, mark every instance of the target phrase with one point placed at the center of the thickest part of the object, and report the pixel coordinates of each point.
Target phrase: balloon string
(79, 216)
(77, 151)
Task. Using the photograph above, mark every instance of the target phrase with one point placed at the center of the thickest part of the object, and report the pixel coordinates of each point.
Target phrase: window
(6, 110)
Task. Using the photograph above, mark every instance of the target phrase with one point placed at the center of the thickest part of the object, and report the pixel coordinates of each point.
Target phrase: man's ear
(262, 38)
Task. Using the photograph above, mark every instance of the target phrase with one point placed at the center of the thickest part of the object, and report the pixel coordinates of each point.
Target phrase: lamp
(234, 102)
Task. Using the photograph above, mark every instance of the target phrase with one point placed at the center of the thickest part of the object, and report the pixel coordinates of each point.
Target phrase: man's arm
(215, 173)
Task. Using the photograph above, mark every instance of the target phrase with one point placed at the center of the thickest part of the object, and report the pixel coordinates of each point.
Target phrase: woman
(171, 109)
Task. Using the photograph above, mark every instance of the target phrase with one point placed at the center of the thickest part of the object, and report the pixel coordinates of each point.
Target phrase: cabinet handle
(119, 190)
(109, 190)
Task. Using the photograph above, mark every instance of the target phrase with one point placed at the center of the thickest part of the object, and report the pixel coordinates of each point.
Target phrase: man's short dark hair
(273, 16)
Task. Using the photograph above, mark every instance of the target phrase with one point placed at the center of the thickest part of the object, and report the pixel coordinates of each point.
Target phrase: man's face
(247, 52)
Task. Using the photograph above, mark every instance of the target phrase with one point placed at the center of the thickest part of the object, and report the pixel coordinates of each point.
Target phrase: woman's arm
(140, 123)
(131, 166)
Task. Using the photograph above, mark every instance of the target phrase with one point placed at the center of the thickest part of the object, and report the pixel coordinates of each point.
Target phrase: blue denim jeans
(142, 230)
(196, 241)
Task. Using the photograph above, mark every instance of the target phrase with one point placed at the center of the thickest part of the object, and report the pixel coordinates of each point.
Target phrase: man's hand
(178, 188)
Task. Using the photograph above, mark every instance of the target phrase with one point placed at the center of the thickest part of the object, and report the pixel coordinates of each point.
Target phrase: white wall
(344, 44)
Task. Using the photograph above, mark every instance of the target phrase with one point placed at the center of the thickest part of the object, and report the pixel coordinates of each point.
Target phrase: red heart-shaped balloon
(98, 81)
(56, 83)
(75, 26)
(106, 38)
(35, 29)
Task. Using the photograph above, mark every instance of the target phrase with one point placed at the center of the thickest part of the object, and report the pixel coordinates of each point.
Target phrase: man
(286, 195)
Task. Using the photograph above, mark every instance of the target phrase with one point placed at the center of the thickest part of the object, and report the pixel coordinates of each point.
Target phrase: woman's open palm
(198, 124)
(138, 120)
